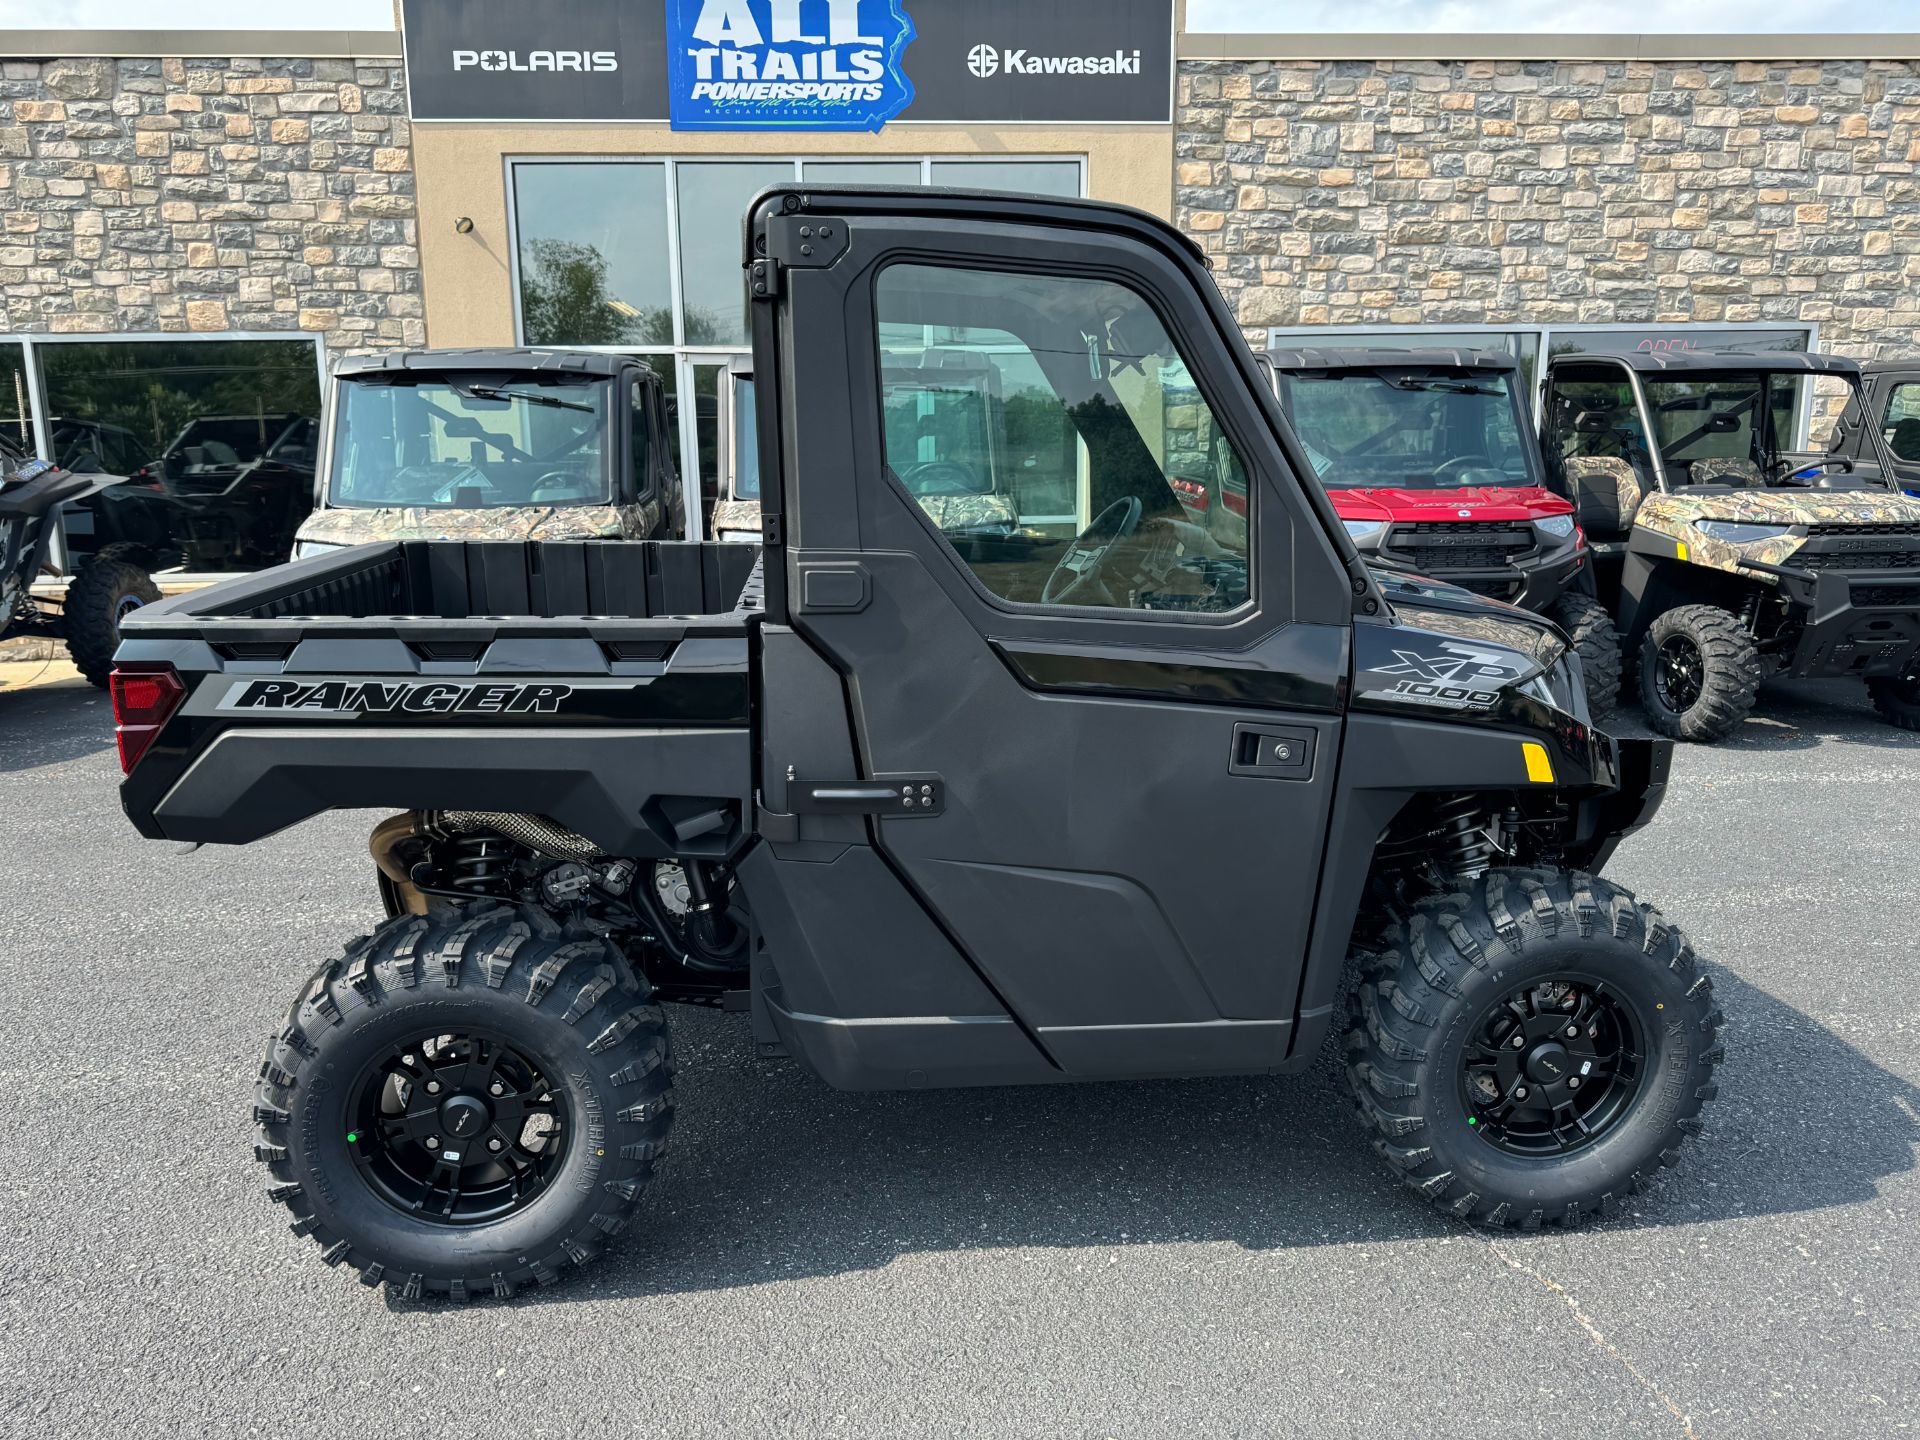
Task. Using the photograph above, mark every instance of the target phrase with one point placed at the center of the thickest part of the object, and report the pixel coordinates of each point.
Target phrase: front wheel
(1699, 673)
(1590, 628)
(1897, 699)
(1530, 1050)
(467, 1102)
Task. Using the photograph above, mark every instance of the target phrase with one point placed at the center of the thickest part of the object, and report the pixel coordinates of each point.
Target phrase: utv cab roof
(1360, 359)
(589, 364)
(1717, 361)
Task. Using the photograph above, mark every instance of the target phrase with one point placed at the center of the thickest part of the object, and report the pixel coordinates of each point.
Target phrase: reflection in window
(713, 200)
(218, 439)
(593, 242)
(1050, 430)
(16, 414)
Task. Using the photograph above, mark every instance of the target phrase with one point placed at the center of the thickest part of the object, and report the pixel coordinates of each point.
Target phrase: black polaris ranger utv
(1431, 460)
(1141, 820)
(1726, 555)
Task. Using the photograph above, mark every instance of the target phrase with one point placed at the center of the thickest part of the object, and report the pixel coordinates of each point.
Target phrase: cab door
(1893, 398)
(1100, 738)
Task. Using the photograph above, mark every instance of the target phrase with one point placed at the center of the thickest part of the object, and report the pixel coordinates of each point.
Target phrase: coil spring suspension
(478, 862)
(1463, 842)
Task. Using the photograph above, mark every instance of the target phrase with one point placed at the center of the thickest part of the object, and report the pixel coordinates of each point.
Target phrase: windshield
(1425, 429)
(746, 446)
(1741, 422)
(474, 442)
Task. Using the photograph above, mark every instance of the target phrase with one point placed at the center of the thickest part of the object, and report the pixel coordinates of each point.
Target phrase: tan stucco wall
(461, 171)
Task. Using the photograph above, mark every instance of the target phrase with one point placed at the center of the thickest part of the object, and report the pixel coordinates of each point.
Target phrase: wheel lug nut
(1520, 1093)
(1519, 1041)
(494, 1144)
(1573, 1082)
(433, 1142)
(1573, 1032)
(433, 1087)
(498, 1088)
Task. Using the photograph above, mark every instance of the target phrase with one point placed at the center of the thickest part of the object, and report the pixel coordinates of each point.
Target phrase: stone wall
(1480, 191)
(209, 195)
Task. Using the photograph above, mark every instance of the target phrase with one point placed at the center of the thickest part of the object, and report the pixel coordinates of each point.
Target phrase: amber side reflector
(1539, 767)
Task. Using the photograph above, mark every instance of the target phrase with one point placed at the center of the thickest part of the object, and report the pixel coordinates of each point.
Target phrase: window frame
(680, 356)
(1136, 285)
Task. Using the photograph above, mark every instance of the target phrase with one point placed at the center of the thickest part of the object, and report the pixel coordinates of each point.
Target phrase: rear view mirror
(1592, 422)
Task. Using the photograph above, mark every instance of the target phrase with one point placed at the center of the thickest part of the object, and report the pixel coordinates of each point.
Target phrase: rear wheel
(1591, 629)
(1897, 699)
(105, 592)
(1699, 673)
(467, 1102)
(1532, 1049)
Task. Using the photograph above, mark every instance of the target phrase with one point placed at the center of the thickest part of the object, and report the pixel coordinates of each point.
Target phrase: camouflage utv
(494, 445)
(946, 445)
(1726, 556)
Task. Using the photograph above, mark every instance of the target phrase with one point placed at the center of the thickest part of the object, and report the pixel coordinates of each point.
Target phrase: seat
(1607, 491)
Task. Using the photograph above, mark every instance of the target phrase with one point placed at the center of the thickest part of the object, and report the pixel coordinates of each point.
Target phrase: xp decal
(785, 64)
(1455, 680)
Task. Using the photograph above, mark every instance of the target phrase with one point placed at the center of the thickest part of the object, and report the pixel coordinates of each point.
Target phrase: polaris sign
(787, 64)
(791, 65)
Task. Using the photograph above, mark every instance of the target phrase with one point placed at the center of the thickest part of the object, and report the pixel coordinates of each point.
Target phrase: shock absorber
(478, 862)
(1462, 843)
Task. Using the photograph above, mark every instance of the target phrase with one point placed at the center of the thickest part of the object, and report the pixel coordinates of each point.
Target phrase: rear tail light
(143, 701)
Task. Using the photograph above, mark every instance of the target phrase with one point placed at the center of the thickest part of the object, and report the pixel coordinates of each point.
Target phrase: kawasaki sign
(772, 65)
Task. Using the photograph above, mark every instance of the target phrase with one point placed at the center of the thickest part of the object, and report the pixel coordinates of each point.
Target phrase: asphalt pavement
(1219, 1257)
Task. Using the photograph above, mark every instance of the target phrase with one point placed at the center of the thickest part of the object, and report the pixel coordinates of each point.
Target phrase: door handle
(884, 795)
(1276, 752)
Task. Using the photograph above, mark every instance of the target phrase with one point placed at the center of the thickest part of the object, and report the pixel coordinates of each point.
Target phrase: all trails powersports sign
(791, 65)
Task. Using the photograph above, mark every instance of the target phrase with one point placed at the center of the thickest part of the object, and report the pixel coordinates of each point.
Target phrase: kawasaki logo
(986, 61)
(379, 697)
(514, 62)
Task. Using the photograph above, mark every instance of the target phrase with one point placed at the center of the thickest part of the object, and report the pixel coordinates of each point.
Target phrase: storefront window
(592, 241)
(218, 439)
(713, 200)
(1035, 177)
(602, 260)
(16, 411)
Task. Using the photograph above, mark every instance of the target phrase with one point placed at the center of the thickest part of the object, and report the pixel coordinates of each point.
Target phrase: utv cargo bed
(322, 684)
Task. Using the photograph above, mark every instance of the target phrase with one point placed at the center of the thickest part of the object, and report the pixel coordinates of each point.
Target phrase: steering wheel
(1462, 463)
(940, 477)
(1079, 568)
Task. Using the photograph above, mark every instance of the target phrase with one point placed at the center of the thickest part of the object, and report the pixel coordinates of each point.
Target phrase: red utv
(1430, 458)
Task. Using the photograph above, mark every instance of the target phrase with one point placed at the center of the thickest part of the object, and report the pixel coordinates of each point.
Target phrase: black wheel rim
(1553, 1067)
(1679, 672)
(458, 1128)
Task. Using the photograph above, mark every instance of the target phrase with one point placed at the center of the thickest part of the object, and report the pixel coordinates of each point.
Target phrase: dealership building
(195, 223)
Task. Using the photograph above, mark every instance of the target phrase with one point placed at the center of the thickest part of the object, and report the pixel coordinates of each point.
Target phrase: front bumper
(1858, 622)
(1601, 822)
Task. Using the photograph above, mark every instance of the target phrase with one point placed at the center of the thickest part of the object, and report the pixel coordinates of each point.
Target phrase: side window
(1903, 422)
(1050, 430)
(642, 444)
